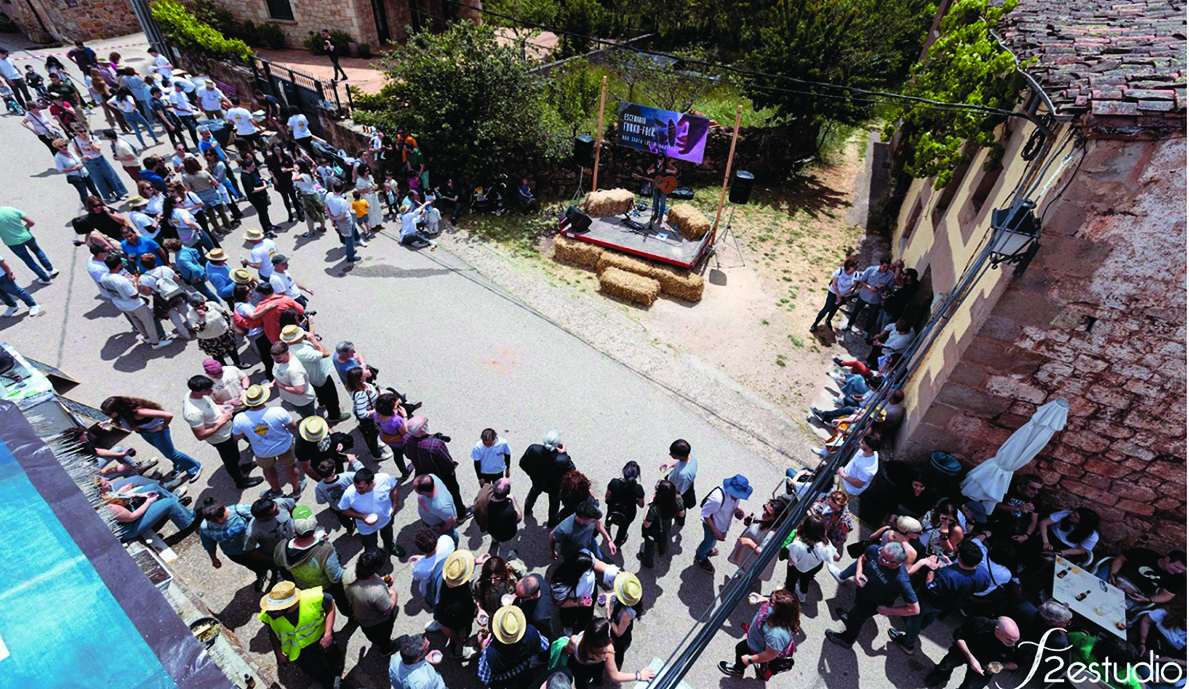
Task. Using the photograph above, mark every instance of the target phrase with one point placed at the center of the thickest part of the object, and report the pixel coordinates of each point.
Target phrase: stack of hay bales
(629, 286)
(608, 202)
(673, 281)
(574, 252)
(689, 221)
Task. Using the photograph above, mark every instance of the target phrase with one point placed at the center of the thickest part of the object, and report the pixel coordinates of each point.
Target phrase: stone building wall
(75, 20)
(352, 16)
(1099, 320)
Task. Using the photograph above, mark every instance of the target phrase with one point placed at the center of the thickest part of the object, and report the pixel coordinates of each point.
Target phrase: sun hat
(628, 589)
(241, 276)
(137, 201)
(282, 597)
(737, 487)
(458, 568)
(256, 395)
(291, 334)
(254, 234)
(216, 255)
(508, 624)
(313, 429)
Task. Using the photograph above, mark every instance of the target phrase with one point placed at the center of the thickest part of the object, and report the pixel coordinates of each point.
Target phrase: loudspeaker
(578, 221)
(584, 151)
(741, 187)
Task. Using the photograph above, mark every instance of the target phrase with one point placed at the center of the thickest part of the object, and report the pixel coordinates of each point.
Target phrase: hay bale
(574, 252)
(608, 202)
(629, 286)
(689, 221)
(630, 264)
(679, 284)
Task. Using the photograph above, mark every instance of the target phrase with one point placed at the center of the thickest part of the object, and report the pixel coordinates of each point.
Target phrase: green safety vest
(311, 624)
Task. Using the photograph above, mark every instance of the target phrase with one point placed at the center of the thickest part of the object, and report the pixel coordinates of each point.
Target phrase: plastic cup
(482, 619)
(754, 598)
(434, 657)
(371, 519)
(994, 667)
(508, 599)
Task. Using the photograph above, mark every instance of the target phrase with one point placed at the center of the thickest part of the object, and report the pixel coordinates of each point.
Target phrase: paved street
(440, 332)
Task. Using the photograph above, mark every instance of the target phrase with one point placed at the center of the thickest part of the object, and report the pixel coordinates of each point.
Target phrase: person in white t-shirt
(126, 298)
(719, 507)
(228, 382)
(860, 470)
(260, 256)
(370, 502)
(245, 126)
(842, 286)
(211, 421)
(269, 430)
(893, 339)
(184, 110)
(291, 380)
(299, 128)
(161, 64)
(210, 99)
(492, 457)
(284, 283)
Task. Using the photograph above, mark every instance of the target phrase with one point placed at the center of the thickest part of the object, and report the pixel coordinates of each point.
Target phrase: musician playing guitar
(664, 181)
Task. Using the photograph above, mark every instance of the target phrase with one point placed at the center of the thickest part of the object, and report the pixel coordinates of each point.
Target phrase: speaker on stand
(739, 194)
(583, 158)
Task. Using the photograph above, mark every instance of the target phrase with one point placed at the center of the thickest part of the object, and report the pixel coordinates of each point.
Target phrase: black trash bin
(943, 473)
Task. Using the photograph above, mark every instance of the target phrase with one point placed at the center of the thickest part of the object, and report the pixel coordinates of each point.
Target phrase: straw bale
(689, 221)
(679, 284)
(610, 259)
(608, 202)
(629, 286)
(572, 251)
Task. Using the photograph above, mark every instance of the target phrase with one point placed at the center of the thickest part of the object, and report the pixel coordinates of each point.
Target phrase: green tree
(964, 65)
(574, 91)
(469, 100)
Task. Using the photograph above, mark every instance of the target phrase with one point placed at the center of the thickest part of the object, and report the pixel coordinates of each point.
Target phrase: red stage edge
(700, 254)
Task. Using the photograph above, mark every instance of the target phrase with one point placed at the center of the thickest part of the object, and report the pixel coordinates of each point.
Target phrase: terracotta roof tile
(1116, 60)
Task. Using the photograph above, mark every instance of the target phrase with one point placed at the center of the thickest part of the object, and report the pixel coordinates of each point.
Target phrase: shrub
(272, 35)
(341, 39)
(248, 33)
(365, 50)
(188, 32)
(7, 25)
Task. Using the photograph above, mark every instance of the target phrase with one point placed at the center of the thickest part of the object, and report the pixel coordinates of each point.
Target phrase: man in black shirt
(882, 578)
(1016, 517)
(1146, 577)
(985, 646)
(545, 464)
(533, 598)
(65, 91)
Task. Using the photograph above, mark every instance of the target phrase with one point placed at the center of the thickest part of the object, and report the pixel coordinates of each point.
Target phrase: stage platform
(658, 243)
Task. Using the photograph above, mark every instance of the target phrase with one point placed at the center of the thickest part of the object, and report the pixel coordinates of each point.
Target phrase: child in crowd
(391, 195)
(361, 207)
(9, 98)
(35, 81)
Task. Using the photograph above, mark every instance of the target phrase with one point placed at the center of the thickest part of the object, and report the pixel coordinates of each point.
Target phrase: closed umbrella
(989, 481)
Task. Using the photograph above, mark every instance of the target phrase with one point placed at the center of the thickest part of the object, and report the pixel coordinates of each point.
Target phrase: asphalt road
(476, 358)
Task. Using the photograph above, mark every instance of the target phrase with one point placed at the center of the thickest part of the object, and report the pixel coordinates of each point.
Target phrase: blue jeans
(348, 241)
(708, 541)
(135, 120)
(163, 442)
(104, 176)
(307, 410)
(167, 505)
(658, 204)
(913, 625)
(32, 254)
(10, 289)
(838, 413)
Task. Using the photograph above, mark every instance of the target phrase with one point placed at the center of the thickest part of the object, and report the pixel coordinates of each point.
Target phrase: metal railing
(266, 69)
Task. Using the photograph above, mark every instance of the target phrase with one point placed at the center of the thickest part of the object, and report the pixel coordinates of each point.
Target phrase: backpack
(707, 496)
(164, 285)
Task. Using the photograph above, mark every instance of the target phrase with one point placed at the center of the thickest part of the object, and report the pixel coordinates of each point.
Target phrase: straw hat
(254, 234)
(458, 568)
(507, 625)
(241, 276)
(137, 201)
(282, 597)
(313, 429)
(628, 589)
(291, 334)
(216, 256)
(256, 395)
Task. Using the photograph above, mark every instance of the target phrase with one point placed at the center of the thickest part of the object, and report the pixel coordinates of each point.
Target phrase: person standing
(269, 432)
(315, 358)
(331, 51)
(290, 379)
(373, 600)
(882, 579)
(311, 560)
(245, 127)
(512, 657)
(664, 508)
(874, 284)
(492, 457)
(161, 65)
(74, 169)
(82, 56)
(256, 189)
(545, 463)
(429, 455)
(339, 211)
(301, 630)
(434, 506)
(14, 232)
(260, 254)
(410, 669)
(299, 129)
(682, 472)
(624, 496)
(125, 102)
(151, 422)
(42, 125)
(770, 635)
(719, 507)
(946, 588)
(842, 286)
(125, 295)
(501, 516)
(226, 527)
(184, 110)
(111, 189)
(16, 80)
(10, 289)
(210, 100)
(284, 283)
(371, 502)
(978, 643)
(211, 421)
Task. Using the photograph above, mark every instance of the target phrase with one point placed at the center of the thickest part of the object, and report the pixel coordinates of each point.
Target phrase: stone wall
(67, 21)
(352, 16)
(1098, 319)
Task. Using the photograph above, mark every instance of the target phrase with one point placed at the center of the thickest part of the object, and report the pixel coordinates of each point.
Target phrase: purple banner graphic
(677, 135)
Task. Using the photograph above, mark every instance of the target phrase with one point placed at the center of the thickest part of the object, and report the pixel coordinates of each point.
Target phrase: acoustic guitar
(666, 183)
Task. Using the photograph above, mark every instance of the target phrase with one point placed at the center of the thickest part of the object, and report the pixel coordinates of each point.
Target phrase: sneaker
(249, 482)
(192, 477)
(836, 573)
(820, 451)
(10, 312)
(161, 344)
(897, 637)
(45, 281)
(820, 414)
(433, 626)
(361, 242)
(706, 565)
(144, 466)
(470, 513)
(179, 492)
(272, 493)
(729, 669)
(835, 637)
(800, 596)
(301, 485)
(36, 310)
(712, 553)
(399, 551)
(54, 272)
(340, 418)
(837, 360)
(185, 501)
(173, 481)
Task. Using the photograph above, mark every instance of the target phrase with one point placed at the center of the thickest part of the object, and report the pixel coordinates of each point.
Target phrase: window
(985, 185)
(913, 217)
(280, 9)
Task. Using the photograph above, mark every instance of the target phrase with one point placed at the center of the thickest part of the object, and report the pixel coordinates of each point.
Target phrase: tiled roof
(1114, 63)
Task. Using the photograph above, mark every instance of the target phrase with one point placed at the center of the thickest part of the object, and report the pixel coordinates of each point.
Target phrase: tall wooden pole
(726, 177)
(599, 135)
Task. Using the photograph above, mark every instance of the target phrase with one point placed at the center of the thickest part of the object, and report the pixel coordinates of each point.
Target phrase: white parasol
(988, 482)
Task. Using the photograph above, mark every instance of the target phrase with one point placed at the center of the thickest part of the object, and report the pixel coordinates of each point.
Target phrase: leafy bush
(365, 50)
(188, 32)
(272, 36)
(7, 25)
(341, 39)
(248, 33)
(574, 91)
